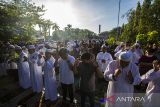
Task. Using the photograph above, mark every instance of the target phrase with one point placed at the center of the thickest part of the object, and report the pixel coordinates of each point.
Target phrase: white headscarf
(31, 47)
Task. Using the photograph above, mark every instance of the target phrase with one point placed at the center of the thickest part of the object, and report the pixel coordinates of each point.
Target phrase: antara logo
(130, 99)
(112, 99)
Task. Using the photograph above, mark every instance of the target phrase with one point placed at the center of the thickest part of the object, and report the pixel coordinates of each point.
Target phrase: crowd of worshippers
(43, 66)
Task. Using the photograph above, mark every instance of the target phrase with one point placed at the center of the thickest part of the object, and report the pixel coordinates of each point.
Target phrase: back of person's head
(63, 51)
(156, 61)
(150, 51)
(86, 56)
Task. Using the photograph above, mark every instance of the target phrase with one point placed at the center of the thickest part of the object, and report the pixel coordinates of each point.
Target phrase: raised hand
(117, 72)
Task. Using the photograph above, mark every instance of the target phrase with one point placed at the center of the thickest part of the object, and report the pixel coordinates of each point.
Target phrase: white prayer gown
(153, 90)
(121, 87)
(36, 72)
(107, 57)
(50, 80)
(24, 71)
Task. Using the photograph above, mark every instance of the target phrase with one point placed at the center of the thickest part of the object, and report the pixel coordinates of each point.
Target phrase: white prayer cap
(23, 47)
(31, 47)
(137, 44)
(11, 46)
(8, 43)
(125, 56)
(103, 46)
(40, 45)
(49, 50)
(18, 47)
(122, 43)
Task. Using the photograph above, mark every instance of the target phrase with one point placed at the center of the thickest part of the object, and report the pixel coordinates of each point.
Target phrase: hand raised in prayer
(25, 58)
(130, 78)
(103, 61)
(117, 72)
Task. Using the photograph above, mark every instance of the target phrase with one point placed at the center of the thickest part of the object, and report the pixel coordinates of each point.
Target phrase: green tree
(145, 18)
(137, 18)
(111, 40)
(18, 19)
(142, 38)
(55, 27)
(153, 37)
(155, 13)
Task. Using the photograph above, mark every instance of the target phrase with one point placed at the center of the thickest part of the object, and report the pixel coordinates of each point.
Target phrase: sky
(86, 14)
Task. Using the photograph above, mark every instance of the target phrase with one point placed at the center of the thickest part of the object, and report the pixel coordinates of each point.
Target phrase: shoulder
(108, 54)
(113, 63)
(71, 57)
(100, 53)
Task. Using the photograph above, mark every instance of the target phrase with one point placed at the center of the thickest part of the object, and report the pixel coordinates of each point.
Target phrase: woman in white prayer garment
(35, 63)
(122, 76)
(152, 77)
(49, 77)
(23, 68)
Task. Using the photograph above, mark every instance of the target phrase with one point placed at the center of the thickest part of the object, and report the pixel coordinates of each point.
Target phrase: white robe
(24, 71)
(153, 90)
(50, 80)
(121, 87)
(107, 57)
(117, 48)
(117, 53)
(36, 72)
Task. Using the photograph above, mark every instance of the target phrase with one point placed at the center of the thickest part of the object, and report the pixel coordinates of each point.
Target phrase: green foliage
(145, 17)
(111, 40)
(142, 38)
(18, 19)
(70, 33)
(153, 37)
(143, 22)
(137, 18)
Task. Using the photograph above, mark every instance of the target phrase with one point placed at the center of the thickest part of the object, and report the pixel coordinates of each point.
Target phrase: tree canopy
(143, 23)
(19, 19)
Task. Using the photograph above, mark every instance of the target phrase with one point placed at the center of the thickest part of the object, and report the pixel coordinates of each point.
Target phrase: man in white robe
(152, 77)
(49, 77)
(66, 64)
(23, 69)
(122, 76)
(35, 61)
(119, 47)
(103, 58)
